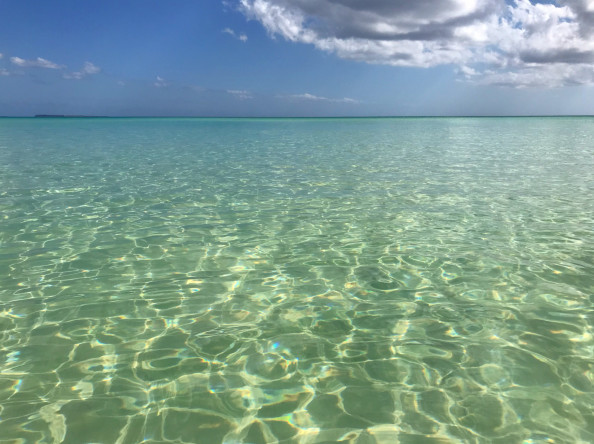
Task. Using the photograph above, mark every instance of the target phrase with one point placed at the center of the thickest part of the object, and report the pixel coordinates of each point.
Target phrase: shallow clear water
(296, 281)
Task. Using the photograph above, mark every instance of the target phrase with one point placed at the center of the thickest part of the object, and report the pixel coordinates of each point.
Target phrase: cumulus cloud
(232, 33)
(584, 11)
(35, 63)
(517, 43)
(314, 98)
(240, 94)
(87, 69)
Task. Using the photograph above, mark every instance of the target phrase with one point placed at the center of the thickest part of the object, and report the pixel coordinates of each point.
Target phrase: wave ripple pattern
(297, 281)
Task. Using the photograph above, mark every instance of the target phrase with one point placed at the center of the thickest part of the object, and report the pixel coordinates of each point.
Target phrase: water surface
(296, 281)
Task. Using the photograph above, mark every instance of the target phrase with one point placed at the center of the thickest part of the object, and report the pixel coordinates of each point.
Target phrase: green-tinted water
(296, 281)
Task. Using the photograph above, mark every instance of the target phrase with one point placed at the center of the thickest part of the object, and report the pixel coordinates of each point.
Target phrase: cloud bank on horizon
(518, 43)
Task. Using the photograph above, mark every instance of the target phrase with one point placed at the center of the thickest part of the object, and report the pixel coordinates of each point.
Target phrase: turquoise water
(297, 281)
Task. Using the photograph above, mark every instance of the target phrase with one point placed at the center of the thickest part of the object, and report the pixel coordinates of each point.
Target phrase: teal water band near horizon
(296, 280)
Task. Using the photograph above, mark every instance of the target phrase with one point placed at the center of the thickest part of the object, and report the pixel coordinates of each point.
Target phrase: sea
(327, 280)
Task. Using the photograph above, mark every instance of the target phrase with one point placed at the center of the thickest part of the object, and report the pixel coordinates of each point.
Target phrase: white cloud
(548, 76)
(161, 82)
(87, 69)
(307, 96)
(240, 94)
(232, 33)
(1, 55)
(4, 72)
(35, 63)
(314, 98)
(468, 72)
(517, 43)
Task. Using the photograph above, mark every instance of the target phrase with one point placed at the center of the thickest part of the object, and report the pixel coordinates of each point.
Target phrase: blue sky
(296, 57)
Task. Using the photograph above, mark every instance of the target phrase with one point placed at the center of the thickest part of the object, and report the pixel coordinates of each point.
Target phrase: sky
(296, 57)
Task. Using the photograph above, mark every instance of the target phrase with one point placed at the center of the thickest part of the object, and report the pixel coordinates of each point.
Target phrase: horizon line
(83, 116)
